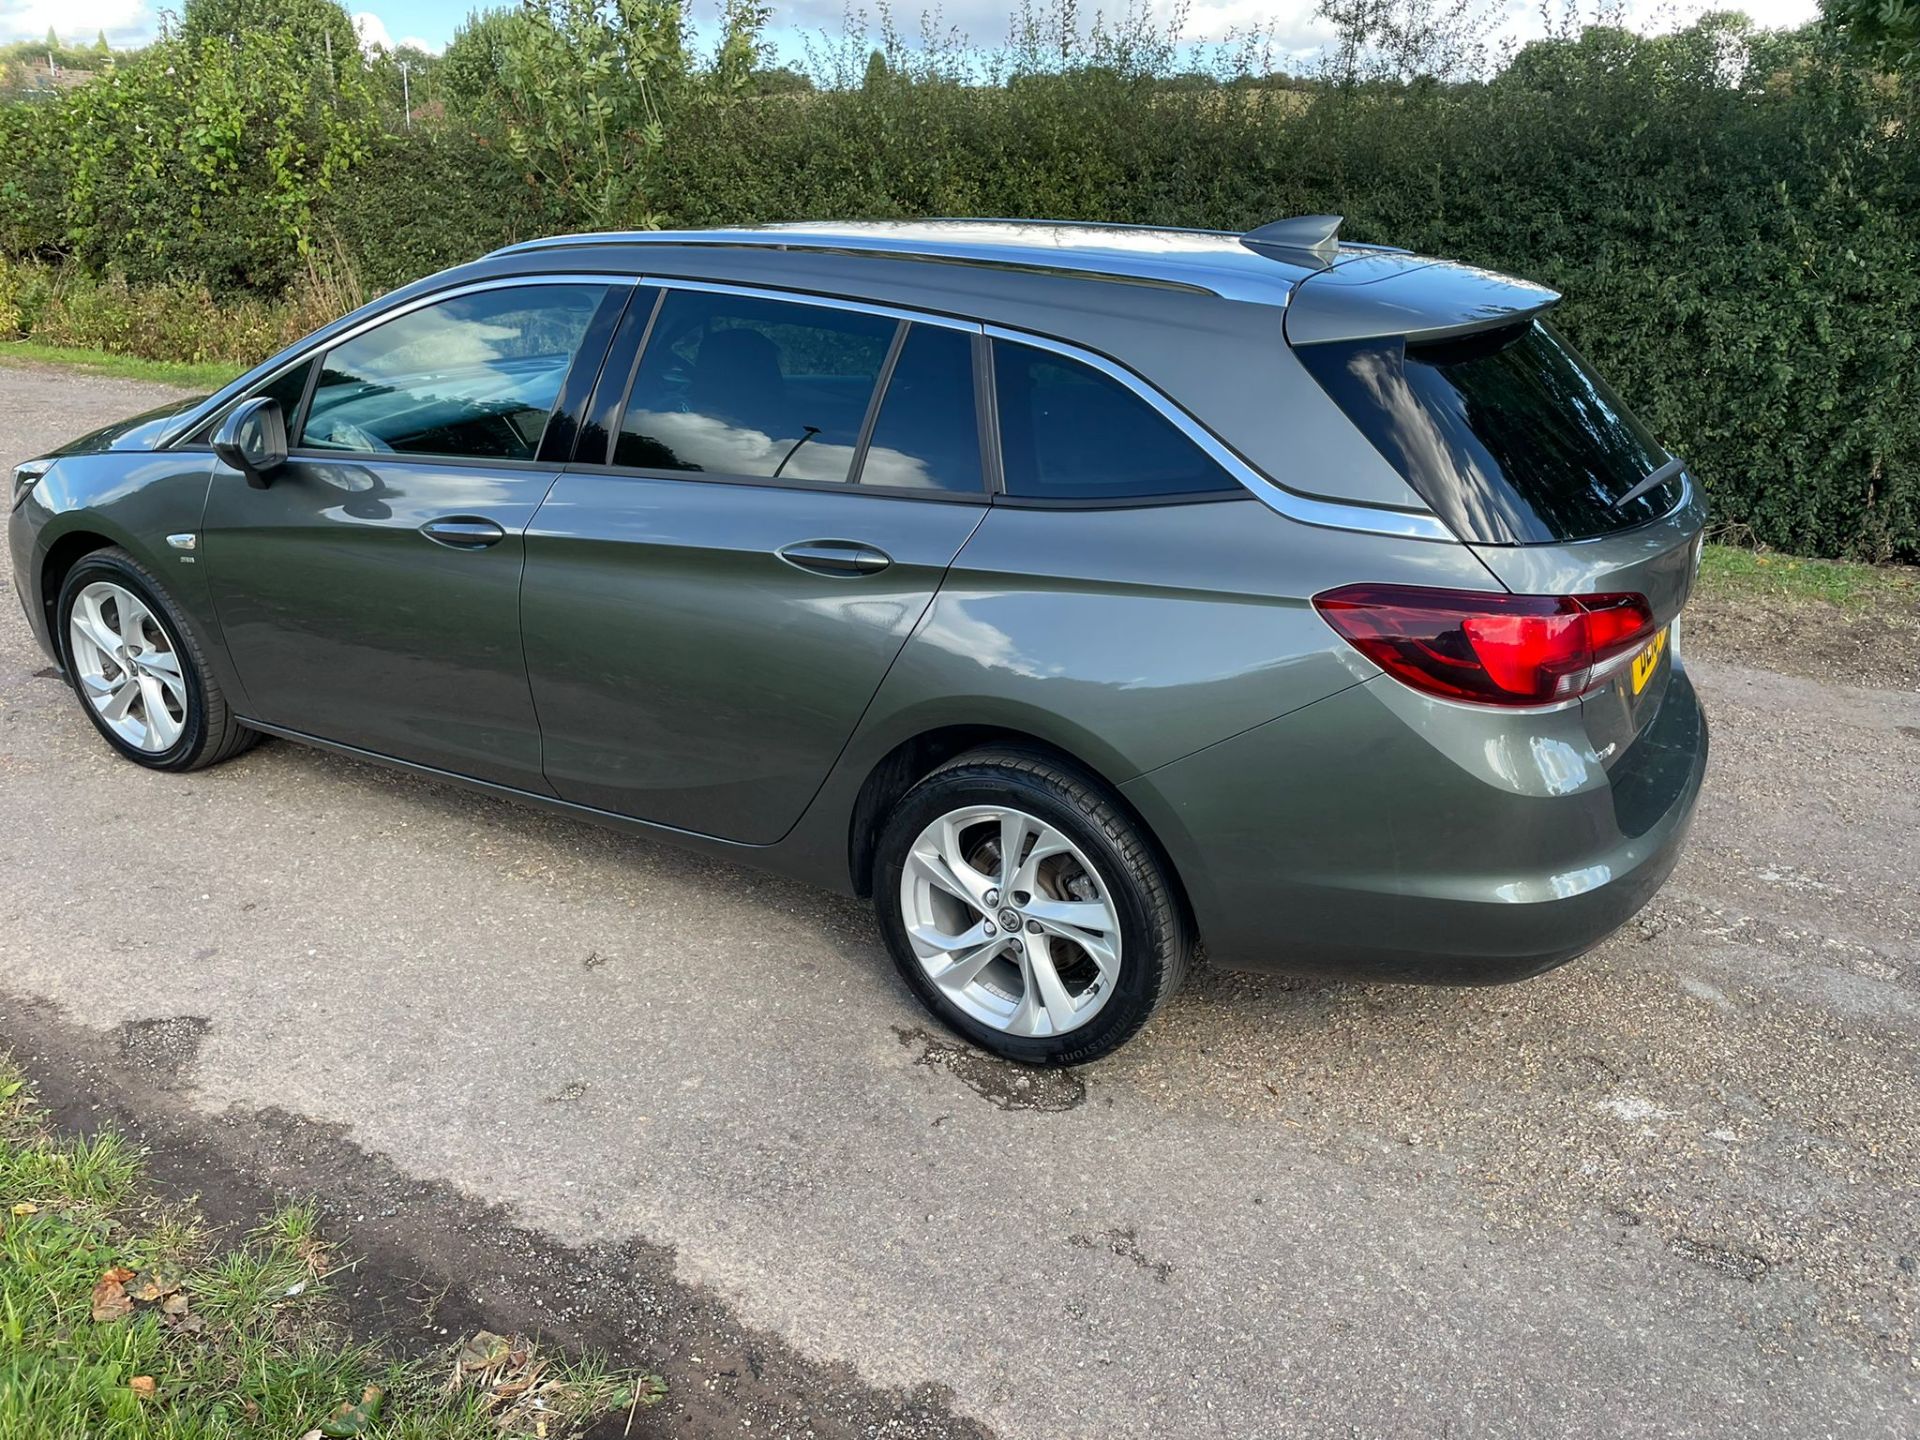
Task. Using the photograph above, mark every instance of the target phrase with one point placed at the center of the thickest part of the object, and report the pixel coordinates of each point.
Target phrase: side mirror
(253, 439)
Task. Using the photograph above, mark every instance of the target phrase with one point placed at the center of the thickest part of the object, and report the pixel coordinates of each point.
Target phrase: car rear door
(763, 505)
(369, 594)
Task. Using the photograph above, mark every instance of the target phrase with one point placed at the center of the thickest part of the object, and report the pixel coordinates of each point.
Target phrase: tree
(780, 80)
(254, 134)
(1887, 31)
(582, 92)
(876, 70)
(321, 30)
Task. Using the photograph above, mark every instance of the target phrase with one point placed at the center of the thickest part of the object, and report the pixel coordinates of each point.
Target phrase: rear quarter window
(1507, 433)
(1068, 432)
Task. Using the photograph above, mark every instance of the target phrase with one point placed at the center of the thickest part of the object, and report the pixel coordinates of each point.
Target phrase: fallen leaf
(482, 1350)
(351, 1420)
(110, 1300)
(174, 1304)
(25, 1208)
(143, 1386)
(152, 1285)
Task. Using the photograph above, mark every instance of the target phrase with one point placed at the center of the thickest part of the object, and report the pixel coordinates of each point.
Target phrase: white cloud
(374, 34)
(126, 22)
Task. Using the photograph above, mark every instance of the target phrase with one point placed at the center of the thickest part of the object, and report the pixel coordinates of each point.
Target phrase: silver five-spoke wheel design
(127, 667)
(1011, 920)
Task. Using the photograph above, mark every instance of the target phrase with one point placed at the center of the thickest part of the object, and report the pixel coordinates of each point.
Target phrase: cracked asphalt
(1670, 1189)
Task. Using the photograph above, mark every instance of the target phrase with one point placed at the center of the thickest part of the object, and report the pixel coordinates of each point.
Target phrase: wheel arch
(63, 553)
(913, 759)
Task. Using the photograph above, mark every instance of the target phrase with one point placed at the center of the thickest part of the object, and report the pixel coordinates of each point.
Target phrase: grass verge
(1729, 572)
(127, 367)
(120, 1318)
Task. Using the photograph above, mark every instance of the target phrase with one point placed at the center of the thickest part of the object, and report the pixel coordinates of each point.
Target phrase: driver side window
(473, 377)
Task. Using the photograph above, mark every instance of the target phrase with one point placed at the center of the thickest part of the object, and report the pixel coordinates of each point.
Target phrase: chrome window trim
(1328, 514)
(406, 307)
(808, 297)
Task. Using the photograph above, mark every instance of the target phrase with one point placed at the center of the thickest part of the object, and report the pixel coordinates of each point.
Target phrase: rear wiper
(1653, 482)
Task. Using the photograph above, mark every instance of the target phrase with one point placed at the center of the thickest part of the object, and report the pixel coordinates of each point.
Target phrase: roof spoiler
(1391, 296)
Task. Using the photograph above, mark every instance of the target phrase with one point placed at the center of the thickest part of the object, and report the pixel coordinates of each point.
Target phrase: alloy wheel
(1011, 921)
(127, 667)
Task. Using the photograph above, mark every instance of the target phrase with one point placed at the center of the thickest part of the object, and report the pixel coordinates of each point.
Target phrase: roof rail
(1313, 238)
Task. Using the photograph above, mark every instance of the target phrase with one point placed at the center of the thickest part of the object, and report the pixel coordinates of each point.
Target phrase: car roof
(1262, 267)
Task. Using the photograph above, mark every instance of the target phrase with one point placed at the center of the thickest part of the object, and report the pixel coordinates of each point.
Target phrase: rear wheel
(1026, 910)
(138, 669)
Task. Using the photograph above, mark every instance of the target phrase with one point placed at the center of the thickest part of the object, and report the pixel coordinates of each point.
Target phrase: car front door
(369, 594)
(708, 614)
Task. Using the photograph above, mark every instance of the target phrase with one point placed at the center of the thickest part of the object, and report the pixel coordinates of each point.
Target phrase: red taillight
(1489, 648)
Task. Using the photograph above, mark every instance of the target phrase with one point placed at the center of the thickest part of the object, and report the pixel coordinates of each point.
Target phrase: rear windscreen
(1507, 433)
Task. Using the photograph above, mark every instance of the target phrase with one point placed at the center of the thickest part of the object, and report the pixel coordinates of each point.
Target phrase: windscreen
(1507, 433)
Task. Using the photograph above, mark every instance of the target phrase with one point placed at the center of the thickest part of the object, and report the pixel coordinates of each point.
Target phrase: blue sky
(433, 22)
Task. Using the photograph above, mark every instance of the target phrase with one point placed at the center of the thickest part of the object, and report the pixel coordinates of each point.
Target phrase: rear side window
(1068, 432)
(927, 436)
(475, 376)
(1508, 434)
(737, 385)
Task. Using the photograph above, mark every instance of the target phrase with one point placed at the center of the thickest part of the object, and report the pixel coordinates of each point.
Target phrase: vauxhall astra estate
(1081, 593)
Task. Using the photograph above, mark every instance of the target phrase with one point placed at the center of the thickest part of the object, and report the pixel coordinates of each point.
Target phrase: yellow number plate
(1647, 661)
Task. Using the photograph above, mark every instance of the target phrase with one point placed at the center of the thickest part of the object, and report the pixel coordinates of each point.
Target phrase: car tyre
(1053, 993)
(139, 670)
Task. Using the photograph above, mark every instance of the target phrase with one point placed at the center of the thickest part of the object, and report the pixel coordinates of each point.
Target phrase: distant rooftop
(1220, 262)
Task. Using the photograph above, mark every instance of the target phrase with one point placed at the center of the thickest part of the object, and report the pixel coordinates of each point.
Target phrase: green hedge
(1741, 259)
(1734, 219)
(422, 202)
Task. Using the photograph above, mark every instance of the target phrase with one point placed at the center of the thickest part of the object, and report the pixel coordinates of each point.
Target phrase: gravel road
(660, 1103)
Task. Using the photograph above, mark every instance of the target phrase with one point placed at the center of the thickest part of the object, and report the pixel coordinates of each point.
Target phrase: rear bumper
(1343, 841)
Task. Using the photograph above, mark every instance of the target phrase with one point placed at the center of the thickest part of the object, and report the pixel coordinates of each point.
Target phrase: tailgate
(1657, 560)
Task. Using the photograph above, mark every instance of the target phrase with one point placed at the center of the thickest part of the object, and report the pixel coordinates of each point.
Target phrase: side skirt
(778, 857)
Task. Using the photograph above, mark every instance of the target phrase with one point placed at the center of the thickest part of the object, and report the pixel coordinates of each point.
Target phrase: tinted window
(1507, 433)
(926, 437)
(476, 376)
(734, 385)
(1069, 432)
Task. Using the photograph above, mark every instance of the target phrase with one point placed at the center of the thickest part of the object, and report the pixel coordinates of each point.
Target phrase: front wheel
(138, 670)
(1026, 909)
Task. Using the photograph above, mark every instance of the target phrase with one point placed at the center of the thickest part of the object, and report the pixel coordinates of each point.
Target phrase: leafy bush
(421, 202)
(206, 158)
(168, 320)
(1733, 217)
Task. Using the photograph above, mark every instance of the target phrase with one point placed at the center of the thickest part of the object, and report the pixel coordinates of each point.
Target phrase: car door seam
(860, 721)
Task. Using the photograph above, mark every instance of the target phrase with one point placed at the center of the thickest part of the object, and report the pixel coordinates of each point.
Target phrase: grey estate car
(1079, 592)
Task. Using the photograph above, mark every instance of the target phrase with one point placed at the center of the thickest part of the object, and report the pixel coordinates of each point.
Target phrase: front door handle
(463, 532)
(836, 557)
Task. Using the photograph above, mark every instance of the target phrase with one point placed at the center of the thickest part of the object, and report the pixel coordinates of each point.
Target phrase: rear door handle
(463, 532)
(836, 557)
